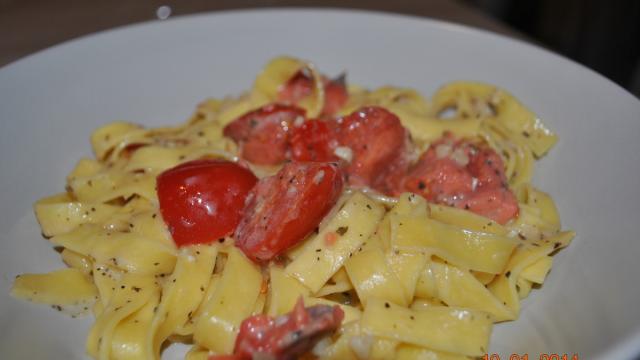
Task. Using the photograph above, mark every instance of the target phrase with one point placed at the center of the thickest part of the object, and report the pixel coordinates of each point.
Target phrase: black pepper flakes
(386, 305)
(508, 274)
(342, 230)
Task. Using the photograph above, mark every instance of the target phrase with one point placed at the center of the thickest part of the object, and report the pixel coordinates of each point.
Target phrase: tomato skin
(465, 175)
(283, 209)
(377, 139)
(298, 87)
(289, 336)
(335, 96)
(263, 134)
(301, 85)
(313, 140)
(202, 200)
(496, 203)
(440, 180)
(487, 166)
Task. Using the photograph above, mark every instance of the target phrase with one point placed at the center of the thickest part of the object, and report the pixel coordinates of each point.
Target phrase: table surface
(27, 26)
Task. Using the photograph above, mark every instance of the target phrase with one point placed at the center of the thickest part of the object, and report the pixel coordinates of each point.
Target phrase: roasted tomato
(496, 203)
(301, 85)
(487, 166)
(298, 87)
(283, 209)
(335, 95)
(286, 337)
(379, 144)
(202, 200)
(439, 180)
(263, 134)
(466, 175)
(313, 140)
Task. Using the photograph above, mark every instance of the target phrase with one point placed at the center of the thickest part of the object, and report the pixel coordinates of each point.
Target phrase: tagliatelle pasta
(414, 277)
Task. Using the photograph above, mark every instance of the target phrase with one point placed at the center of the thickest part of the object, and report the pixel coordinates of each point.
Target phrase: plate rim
(329, 10)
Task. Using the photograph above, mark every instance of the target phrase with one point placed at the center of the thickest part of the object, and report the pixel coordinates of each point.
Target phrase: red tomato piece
(313, 140)
(263, 134)
(288, 336)
(487, 166)
(390, 183)
(379, 145)
(298, 87)
(202, 200)
(335, 95)
(466, 175)
(441, 180)
(283, 209)
(496, 203)
(301, 85)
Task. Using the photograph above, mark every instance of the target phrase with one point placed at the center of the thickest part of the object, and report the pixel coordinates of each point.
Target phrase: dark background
(603, 35)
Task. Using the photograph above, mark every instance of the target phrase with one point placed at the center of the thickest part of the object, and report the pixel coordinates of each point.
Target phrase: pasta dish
(306, 218)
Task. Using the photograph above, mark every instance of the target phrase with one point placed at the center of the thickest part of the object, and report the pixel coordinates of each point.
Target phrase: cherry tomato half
(301, 85)
(465, 175)
(287, 337)
(496, 203)
(263, 134)
(313, 140)
(284, 208)
(379, 145)
(202, 200)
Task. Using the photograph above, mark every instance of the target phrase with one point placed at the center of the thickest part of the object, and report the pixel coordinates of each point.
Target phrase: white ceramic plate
(156, 73)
